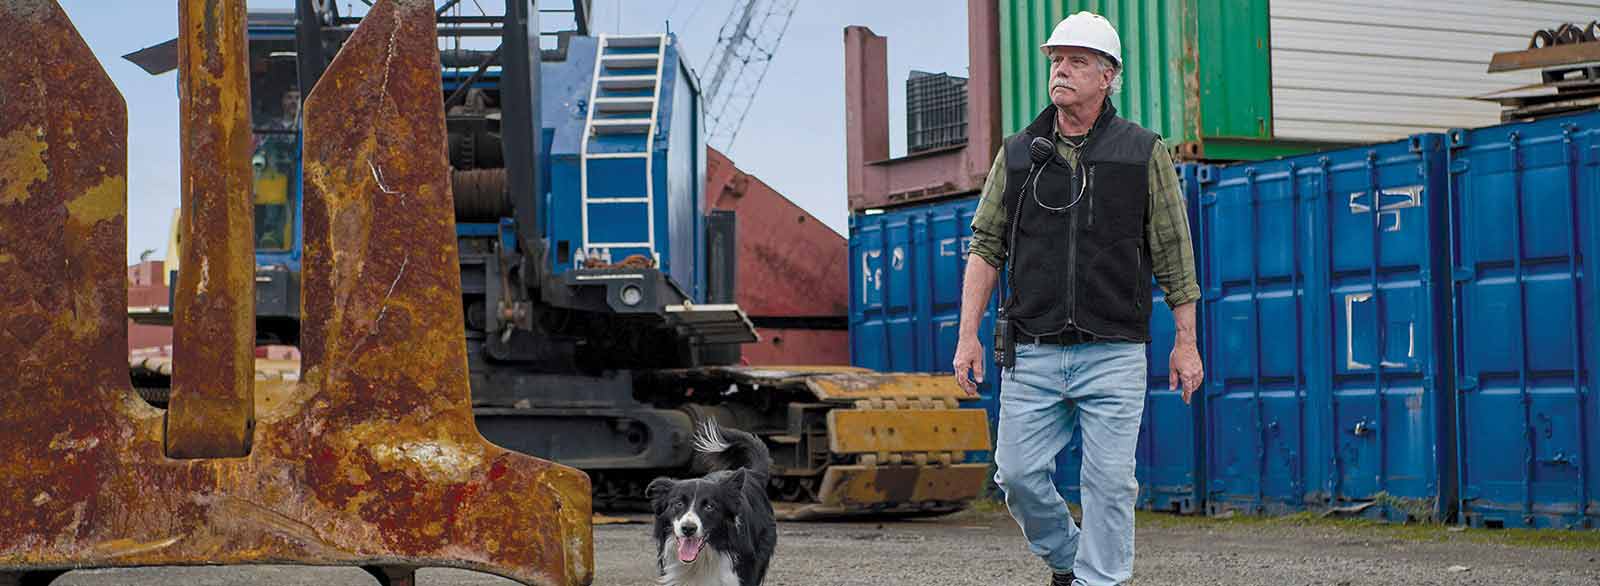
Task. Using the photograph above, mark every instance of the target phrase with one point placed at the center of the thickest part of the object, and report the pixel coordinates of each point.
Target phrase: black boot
(1060, 579)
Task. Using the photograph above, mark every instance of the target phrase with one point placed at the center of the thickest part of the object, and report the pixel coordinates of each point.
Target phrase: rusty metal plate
(1554, 56)
(372, 459)
(862, 486)
(861, 386)
(211, 412)
(839, 384)
(907, 430)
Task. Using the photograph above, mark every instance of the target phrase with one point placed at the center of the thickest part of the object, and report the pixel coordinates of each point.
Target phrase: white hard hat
(1088, 30)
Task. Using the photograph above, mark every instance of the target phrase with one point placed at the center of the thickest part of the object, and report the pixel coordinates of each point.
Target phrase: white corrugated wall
(1374, 70)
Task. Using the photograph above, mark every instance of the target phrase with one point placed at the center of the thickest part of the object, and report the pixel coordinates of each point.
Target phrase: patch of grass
(1418, 509)
(987, 506)
(1548, 538)
(1420, 532)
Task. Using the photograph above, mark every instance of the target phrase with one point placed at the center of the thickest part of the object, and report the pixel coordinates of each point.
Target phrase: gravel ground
(985, 548)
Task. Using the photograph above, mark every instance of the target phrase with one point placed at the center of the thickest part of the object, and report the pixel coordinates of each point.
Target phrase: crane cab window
(275, 118)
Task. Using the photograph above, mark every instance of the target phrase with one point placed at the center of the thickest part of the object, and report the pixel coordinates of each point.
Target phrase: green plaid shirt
(1167, 230)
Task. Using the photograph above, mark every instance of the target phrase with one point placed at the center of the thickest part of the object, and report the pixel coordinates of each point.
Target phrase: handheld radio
(1005, 340)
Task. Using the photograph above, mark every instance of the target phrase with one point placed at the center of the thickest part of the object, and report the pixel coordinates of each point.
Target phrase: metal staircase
(616, 166)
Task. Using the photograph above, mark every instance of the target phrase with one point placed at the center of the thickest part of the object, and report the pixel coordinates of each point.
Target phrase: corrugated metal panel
(1378, 70)
(1233, 69)
(1526, 238)
(907, 265)
(1192, 70)
(1325, 338)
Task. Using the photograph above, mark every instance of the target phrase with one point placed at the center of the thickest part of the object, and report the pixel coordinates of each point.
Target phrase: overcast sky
(792, 138)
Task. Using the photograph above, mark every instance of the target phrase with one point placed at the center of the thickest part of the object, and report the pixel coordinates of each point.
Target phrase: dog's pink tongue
(689, 548)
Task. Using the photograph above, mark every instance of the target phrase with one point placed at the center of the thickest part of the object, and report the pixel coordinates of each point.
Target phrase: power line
(692, 13)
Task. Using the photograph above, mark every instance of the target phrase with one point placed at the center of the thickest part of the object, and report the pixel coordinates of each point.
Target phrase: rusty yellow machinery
(372, 459)
(854, 442)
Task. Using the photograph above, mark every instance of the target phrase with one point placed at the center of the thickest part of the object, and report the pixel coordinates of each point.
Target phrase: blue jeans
(1051, 390)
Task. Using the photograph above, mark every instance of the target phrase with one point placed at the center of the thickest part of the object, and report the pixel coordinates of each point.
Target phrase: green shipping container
(1196, 71)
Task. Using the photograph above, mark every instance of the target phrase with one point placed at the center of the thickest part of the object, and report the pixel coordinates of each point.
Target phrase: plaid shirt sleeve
(989, 221)
(1167, 230)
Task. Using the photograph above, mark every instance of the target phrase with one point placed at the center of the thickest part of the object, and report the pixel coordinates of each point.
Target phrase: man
(1082, 232)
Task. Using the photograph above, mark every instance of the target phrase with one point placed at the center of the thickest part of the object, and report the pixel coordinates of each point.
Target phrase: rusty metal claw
(373, 460)
(212, 407)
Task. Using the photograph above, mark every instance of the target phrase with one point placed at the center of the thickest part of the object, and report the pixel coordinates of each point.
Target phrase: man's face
(1078, 77)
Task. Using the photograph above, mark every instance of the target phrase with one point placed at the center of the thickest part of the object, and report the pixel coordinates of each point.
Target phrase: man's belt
(1066, 338)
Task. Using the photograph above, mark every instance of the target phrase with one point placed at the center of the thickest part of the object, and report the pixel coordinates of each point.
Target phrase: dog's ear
(658, 488)
(736, 481)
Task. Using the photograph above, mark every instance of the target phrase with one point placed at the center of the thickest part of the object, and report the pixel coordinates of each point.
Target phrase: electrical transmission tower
(734, 71)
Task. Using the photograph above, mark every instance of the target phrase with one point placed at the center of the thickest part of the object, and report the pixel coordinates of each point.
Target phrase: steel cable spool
(1566, 34)
(1541, 39)
(480, 194)
(1569, 34)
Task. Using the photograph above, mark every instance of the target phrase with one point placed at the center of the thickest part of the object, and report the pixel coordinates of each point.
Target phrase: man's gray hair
(1116, 78)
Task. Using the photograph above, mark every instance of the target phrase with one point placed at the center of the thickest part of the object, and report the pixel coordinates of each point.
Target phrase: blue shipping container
(907, 265)
(1525, 234)
(1325, 335)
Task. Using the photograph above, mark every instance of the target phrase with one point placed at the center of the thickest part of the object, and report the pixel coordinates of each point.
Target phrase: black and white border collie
(719, 529)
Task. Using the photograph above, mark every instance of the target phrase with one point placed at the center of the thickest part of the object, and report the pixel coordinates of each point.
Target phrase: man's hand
(976, 285)
(1185, 369)
(969, 358)
(1184, 366)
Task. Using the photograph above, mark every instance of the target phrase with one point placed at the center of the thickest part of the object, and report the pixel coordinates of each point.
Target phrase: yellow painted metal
(873, 431)
(857, 486)
(174, 253)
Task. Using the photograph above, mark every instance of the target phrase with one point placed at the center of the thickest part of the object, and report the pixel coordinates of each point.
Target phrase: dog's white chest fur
(713, 568)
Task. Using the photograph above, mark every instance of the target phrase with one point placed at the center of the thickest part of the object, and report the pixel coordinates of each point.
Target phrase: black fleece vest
(1088, 267)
